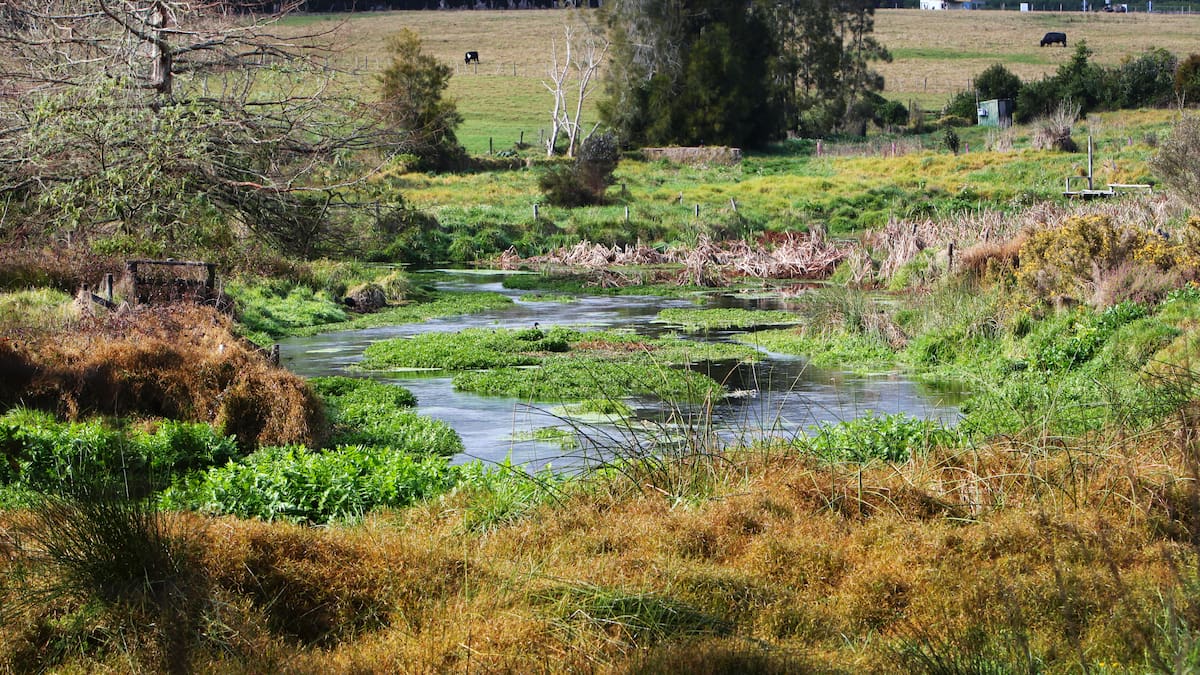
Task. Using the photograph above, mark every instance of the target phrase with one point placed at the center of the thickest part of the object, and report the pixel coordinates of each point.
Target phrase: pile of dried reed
(177, 361)
(791, 255)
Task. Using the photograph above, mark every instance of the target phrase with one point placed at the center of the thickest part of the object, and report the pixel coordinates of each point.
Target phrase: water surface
(780, 395)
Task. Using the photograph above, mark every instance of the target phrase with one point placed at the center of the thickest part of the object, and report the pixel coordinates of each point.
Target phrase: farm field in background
(936, 54)
(792, 190)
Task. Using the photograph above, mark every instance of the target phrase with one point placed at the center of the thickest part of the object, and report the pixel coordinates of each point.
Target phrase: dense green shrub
(1142, 81)
(1147, 80)
(1036, 99)
(950, 140)
(597, 160)
(409, 236)
(1078, 81)
(962, 105)
(586, 180)
(561, 186)
(890, 115)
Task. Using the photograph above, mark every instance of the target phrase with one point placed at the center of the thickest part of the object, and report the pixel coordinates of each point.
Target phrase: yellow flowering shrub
(1069, 260)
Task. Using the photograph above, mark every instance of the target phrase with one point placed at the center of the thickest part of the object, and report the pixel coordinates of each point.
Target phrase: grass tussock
(178, 362)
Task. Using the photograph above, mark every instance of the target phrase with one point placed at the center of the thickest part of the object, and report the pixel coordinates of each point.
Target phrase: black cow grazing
(1051, 38)
(473, 57)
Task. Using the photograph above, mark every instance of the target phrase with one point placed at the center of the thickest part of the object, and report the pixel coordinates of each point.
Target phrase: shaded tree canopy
(740, 72)
(691, 72)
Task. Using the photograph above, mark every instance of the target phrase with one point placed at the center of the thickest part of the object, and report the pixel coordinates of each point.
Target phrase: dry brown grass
(176, 361)
(801, 565)
(986, 240)
(991, 257)
(58, 267)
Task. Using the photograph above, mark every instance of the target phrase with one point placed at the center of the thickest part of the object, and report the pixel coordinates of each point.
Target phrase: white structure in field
(949, 4)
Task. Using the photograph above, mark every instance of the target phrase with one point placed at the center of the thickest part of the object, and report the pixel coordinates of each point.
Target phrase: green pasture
(506, 110)
(669, 203)
(935, 54)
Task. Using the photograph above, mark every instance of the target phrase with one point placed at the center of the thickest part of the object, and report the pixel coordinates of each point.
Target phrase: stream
(778, 396)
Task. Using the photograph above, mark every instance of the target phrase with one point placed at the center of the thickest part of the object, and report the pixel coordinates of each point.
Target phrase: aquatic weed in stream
(892, 438)
(293, 483)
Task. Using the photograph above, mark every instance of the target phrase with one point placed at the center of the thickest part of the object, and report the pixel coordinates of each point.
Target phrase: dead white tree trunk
(557, 87)
(584, 58)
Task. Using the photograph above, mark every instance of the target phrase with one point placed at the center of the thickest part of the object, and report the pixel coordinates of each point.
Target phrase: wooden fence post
(131, 272)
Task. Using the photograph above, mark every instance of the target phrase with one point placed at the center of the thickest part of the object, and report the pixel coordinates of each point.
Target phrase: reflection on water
(780, 395)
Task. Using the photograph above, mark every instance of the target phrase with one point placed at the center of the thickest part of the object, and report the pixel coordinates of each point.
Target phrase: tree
(153, 125)
(413, 87)
(997, 82)
(740, 72)
(827, 48)
(585, 57)
(1147, 80)
(1187, 80)
(1078, 81)
(691, 72)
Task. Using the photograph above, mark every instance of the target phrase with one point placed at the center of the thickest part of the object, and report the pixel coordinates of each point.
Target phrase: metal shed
(995, 113)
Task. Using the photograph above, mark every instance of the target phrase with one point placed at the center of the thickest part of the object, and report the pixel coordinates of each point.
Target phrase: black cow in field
(1051, 38)
(473, 57)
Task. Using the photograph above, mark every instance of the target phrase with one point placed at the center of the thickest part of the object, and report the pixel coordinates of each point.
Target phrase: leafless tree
(583, 58)
(147, 116)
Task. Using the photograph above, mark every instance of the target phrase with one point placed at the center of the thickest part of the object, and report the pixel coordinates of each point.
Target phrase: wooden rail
(142, 287)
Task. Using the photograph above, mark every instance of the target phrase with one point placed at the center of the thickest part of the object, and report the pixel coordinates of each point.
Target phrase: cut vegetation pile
(791, 255)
